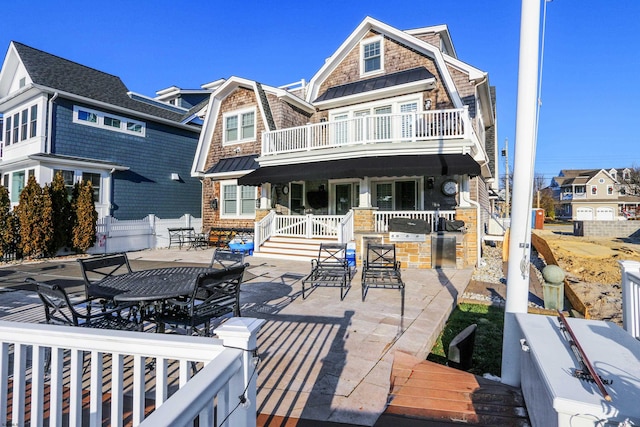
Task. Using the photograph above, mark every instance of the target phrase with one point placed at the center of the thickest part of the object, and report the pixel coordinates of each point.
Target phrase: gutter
(48, 143)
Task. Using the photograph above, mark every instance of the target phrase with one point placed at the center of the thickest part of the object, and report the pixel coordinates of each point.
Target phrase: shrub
(62, 218)
(35, 216)
(7, 227)
(85, 217)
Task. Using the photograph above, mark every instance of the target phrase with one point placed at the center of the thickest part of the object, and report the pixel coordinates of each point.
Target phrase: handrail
(345, 229)
(263, 230)
(29, 347)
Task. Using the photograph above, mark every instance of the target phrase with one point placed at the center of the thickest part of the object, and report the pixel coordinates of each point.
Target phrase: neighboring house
(393, 124)
(593, 194)
(136, 151)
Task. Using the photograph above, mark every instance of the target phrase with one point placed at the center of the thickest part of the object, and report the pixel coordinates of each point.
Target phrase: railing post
(309, 226)
(256, 237)
(631, 297)
(242, 333)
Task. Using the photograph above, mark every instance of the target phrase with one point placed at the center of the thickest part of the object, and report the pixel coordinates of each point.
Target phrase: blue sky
(590, 76)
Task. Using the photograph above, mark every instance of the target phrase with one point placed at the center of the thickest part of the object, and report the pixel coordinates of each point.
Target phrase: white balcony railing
(142, 369)
(377, 128)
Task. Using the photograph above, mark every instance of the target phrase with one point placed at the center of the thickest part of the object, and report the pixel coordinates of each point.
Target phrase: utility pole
(505, 154)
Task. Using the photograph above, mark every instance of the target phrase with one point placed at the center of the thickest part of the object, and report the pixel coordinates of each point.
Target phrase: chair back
(95, 269)
(332, 254)
(58, 309)
(381, 256)
(226, 258)
(222, 288)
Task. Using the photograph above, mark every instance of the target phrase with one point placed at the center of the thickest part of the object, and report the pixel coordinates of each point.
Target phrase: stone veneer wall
(467, 252)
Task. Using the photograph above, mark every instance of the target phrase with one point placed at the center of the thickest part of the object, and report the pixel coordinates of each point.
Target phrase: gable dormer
(14, 75)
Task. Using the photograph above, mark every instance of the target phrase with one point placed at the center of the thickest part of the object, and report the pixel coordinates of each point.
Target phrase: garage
(584, 214)
(604, 214)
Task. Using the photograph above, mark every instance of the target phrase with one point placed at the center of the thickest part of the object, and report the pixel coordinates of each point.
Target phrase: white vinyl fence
(113, 235)
(631, 297)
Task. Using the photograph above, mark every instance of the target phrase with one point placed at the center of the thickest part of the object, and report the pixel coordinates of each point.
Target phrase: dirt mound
(591, 260)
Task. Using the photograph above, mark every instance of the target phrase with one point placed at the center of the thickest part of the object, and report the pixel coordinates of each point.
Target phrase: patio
(321, 358)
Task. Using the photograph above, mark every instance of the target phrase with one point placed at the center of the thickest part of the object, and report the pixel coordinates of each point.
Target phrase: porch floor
(322, 360)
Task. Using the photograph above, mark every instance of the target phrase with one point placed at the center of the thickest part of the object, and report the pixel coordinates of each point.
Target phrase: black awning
(433, 164)
(234, 164)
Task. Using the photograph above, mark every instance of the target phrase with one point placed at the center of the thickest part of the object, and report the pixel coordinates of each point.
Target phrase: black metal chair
(217, 293)
(225, 258)
(382, 270)
(331, 269)
(60, 310)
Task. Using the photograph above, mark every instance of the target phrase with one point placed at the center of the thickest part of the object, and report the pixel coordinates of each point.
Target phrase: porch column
(365, 193)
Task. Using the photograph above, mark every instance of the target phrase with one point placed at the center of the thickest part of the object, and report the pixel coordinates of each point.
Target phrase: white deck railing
(345, 230)
(377, 128)
(263, 229)
(631, 297)
(140, 367)
(307, 226)
(382, 218)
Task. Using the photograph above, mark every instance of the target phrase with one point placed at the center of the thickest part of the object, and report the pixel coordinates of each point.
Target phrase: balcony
(433, 127)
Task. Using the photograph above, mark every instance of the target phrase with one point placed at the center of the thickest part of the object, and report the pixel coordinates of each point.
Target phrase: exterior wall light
(213, 204)
(427, 104)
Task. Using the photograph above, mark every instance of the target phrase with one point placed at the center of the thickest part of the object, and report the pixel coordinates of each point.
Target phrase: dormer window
(372, 55)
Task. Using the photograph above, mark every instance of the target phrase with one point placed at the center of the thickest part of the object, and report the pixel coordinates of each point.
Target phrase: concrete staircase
(293, 248)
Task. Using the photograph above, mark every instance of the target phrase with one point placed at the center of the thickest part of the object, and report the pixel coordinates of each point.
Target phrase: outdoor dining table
(146, 287)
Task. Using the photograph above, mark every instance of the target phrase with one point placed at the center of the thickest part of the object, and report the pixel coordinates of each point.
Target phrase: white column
(525, 153)
(365, 193)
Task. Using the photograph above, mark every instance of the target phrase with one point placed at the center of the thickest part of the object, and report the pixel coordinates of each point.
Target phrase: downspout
(463, 195)
(47, 148)
(111, 192)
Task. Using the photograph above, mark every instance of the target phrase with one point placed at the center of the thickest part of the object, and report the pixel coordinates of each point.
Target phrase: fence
(113, 235)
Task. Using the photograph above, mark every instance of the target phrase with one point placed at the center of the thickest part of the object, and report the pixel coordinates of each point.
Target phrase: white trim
(239, 114)
(397, 90)
(237, 215)
(366, 42)
(100, 121)
(393, 102)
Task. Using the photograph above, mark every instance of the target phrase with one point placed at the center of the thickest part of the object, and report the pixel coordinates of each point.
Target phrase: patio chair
(60, 310)
(97, 268)
(216, 294)
(381, 270)
(225, 258)
(331, 269)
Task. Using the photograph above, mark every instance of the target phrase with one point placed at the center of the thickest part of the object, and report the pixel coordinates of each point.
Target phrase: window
(408, 111)
(372, 55)
(7, 130)
(594, 190)
(5, 180)
(112, 121)
(23, 124)
(610, 190)
(33, 123)
(237, 200)
(239, 126)
(86, 116)
(17, 184)
(397, 195)
(94, 179)
(96, 118)
(16, 127)
(580, 189)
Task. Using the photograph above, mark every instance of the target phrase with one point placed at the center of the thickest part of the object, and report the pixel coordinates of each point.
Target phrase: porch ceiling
(434, 164)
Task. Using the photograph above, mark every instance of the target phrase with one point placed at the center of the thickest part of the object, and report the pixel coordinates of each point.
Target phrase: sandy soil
(592, 269)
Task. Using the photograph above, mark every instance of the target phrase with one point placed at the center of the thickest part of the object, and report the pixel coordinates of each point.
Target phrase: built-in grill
(408, 230)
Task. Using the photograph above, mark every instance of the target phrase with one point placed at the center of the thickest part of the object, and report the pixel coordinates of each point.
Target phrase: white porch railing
(382, 218)
(308, 226)
(345, 232)
(263, 230)
(80, 360)
(378, 128)
(631, 297)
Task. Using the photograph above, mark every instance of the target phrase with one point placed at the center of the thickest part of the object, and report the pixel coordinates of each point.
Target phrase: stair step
(294, 248)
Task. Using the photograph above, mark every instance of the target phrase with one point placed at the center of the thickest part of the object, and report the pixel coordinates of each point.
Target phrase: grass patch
(487, 354)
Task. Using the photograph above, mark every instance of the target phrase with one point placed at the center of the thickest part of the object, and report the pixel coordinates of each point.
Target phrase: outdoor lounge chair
(217, 293)
(331, 268)
(381, 270)
(60, 310)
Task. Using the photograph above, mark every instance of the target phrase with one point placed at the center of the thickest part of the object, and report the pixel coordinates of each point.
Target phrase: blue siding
(147, 186)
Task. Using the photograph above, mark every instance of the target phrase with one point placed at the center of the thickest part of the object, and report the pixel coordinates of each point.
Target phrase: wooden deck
(426, 393)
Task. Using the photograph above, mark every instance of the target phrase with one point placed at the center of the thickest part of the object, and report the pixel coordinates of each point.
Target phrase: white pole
(522, 194)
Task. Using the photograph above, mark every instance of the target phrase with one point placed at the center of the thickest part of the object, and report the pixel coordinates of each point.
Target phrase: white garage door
(584, 214)
(604, 214)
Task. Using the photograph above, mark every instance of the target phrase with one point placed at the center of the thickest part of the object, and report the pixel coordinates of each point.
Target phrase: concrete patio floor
(321, 358)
